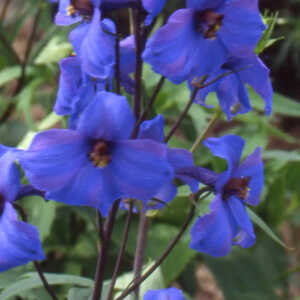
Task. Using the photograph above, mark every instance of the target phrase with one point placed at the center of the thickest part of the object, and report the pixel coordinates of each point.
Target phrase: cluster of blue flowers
(105, 156)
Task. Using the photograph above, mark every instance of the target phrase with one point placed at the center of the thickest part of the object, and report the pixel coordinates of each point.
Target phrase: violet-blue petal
(19, 241)
(246, 237)
(252, 167)
(153, 129)
(166, 194)
(127, 55)
(10, 177)
(181, 159)
(231, 93)
(77, 36)
(107, 117)
(164, 294)
(242, 27)
(53, 158)
(179, 52)
(140, 168)
(98, 48)
(204, 4)
(92, 186)
(213, 233)
(228, 147)
(153, 7)
(257, 75)
(62, 17)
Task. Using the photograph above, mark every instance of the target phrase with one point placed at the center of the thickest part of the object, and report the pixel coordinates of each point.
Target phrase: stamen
(209, 23)
(238, 187)
(100, 154)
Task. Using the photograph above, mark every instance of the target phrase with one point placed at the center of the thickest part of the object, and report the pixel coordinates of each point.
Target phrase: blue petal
(77, 36)
(53, 158)
(153, 7)
(62, 18)
(231, 93)
(246, 237)
(153, 129)
(228, 147)
(127, 55)
(9, 177)
(92, 186)
(242, 27)
(166, 194)
(19, 241)
(98, 48)
(213, 233)
(180, 159)
(256, 74)
(204, 4)
(252, 167)
(164, 294)
(140, 168)
(179, 52)
(108, 117)
(69, 82)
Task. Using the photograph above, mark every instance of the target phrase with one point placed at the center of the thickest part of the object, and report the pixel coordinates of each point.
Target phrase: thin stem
(139, 280)
(121, 252)
(7, 45)
(4, 10)
(100, 227)
(203, 135)
(140, 249)
(103, 252)
(149, 105)
(182, 116)
(139, 61)
(36, 264)
(168, 250)
(44, 280)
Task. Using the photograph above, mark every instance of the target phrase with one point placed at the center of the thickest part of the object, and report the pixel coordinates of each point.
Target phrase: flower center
(1, 205)
(237, 187)
(100, 154)
(82, 7)
(208, 23)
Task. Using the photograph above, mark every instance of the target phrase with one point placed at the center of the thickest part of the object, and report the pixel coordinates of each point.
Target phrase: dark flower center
(100, 154)
(1, 205)
(84, 8)
(208, 23)
(237, 187)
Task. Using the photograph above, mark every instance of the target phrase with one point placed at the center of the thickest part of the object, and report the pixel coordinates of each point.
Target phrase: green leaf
(31, 280)
(80, 293)
(41, 213)
(261, 224)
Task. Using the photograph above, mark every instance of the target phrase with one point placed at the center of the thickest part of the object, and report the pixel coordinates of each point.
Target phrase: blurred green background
(31, 46)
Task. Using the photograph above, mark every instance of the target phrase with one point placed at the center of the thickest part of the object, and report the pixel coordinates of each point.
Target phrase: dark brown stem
(149, 105)
(182, 115)
(100, 226)
(139, 62)
(121, 252)
(140, 249)
(4, 10)
(139, 280)
(103, 252)
(36, 264)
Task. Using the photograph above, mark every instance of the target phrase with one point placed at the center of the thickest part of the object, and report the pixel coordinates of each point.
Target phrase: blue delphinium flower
(19, 241)
(197, 40)
(231, 90)
(228, 222)
(179, 159)
(164, 294)
(98, 163)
